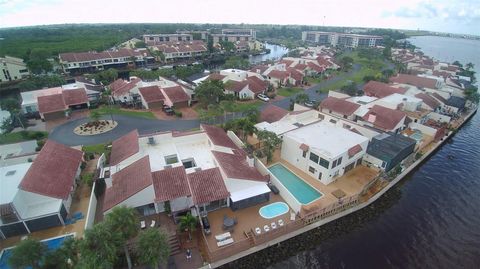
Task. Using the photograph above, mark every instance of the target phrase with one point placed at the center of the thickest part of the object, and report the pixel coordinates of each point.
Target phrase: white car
(263, 97)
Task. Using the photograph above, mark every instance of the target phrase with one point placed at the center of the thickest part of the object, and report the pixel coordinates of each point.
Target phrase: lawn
(10, 138)
(96, 149)
(104, 110)
(240, 106)
(287, 92)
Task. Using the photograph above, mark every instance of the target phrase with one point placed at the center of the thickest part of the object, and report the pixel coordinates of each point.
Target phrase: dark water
(431, 219)
(276, 52)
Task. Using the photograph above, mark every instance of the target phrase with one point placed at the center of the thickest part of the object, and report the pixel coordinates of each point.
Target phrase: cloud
(466, 11)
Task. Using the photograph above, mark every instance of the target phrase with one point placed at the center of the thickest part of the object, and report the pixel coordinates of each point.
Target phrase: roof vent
(167, 166)
(198, 169)
(151, 141)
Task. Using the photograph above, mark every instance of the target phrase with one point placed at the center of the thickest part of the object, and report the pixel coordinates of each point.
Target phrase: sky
(454, 16)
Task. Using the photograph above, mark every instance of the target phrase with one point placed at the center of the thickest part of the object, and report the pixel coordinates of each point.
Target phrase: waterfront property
(341, 39)
(12, 68)
(240, 83)
(388, 150)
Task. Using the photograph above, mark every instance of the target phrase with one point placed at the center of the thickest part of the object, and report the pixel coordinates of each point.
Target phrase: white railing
(92, 208)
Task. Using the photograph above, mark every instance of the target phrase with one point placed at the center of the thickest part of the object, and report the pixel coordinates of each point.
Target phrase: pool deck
(350, 183)
(248, 218)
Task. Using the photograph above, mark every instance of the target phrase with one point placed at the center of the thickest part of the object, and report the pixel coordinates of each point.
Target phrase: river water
(431, 219)
(276, 52)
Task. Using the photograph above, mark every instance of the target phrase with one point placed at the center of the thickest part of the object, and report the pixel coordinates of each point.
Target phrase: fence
(222, 119)
(92, 206)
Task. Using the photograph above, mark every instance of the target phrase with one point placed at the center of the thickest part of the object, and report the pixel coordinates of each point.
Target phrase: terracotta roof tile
(170, 183)
(235, 86)
(75, 97)
(53, 171)
(339, 106)
(420, 82)
(236, 166)
(216, 76)
(256, 85)
(380, 89)
(218, 136)
(304, 147)
(278, 74)
(354, 150)
(428, 100)
(300, 66)
(126, 87)
(207, 186)
(127, 182)
(295, 74)
(51, 103)
(439, 97)
(176, 94)
(384, 118)
(272, 113)
(315, 67)
(124, 147)
(151, 94)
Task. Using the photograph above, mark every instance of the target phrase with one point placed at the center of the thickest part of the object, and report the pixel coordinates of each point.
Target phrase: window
(314, 157)
(320, 176)
(339, 161)
(334, 164)
(333, 121)
(311, 170)
(304, 154)
(171, 159)
(324, 163)
(189, 163)
(11, 173)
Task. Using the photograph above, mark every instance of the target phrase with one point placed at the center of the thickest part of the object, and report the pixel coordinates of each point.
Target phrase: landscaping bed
(95, 127)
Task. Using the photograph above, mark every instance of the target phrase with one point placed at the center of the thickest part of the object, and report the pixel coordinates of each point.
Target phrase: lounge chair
(274, 225)
(222, 237)
(152, 224)
(266, 228)
(280, 222)
(258, 230)
(225, 242)
(292, 216)
(142, 224)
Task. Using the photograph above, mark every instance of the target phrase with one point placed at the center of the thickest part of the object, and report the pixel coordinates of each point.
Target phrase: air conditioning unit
(151, 141)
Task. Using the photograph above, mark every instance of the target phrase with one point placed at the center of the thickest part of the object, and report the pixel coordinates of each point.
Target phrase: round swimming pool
(273, 210)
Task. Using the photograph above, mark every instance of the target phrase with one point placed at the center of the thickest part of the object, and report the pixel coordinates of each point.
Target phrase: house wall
(23, 200)
(439, 117)
(141, 198)
(92, 206)
(424, 129)
(246, 93)
(181, 203)
(53, 115)
(373, 161)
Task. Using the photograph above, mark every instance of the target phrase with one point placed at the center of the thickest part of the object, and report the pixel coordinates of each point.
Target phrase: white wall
(439, 117)
(92, 206)
(369, 159)
(338, 94)
(424, 129)
(181, 203)
(235, 139)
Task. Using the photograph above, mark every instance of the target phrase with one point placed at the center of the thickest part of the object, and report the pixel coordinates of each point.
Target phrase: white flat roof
(278, 127)
(10, 178)
(397, 98)
(362, 100)
(249, 192)
(17, 149)
(326, 138)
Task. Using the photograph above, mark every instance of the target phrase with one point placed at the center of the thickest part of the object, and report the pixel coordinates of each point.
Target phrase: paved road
(64, 133)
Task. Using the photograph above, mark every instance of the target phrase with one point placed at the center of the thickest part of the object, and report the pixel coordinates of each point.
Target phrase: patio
(247, 220)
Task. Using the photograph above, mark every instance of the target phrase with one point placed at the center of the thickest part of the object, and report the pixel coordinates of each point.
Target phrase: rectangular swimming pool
(302, 191)
(51, 243)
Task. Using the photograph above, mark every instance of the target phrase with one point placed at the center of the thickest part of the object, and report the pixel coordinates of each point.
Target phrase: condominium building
(234, 35)
(12, 69)
(341, 39)
(153, 39)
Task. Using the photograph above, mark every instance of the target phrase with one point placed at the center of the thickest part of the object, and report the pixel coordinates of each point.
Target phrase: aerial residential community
(193, 148)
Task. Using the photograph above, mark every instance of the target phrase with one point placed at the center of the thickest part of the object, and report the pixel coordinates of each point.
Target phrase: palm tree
(247, 127)
(153, 248)
(28, 252)
(123, 221)
(188, 223)
(65, 257)
(469, 66)
(95, 115)
(99, 248)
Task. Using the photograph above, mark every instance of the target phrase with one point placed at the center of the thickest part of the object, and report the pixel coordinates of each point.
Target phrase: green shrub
(178, 114)
(88, 179)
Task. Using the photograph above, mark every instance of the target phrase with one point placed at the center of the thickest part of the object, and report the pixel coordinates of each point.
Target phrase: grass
(287, 92)
(22, 136)
(118, 111)
(239, 106)
(96, 149)
(313, 80)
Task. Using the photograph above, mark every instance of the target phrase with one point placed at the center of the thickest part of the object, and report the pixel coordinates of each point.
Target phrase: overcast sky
(456, 16)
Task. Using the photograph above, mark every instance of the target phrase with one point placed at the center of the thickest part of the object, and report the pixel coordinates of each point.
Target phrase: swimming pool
(51, 243)
(273, 210)
(302, 191)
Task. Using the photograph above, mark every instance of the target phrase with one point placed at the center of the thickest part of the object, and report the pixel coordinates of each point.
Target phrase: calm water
(429, 220)
(276, 52)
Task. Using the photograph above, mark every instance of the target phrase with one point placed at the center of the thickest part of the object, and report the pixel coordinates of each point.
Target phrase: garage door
(349, 167)
(54, 115)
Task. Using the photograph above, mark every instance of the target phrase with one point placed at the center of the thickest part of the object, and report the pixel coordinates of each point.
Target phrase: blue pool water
(303, 192)
(52, 244)
(273, 210)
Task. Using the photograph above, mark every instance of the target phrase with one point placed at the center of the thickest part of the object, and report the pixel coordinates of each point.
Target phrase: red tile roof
(380, 89)
(216, 76)
(428, 100)
(439, 97)
(75, 96)
(278, 74)
(272, 113)
(304, 147)
(218, 136)
(207, 186)
(126, 87)
(323, 62)
(124, 147)
(128, 182)
(236, 166)
(53, 172)
(385, 118)
(259, 69)
(170, 183)
(339, 106)
(295, 74)
(300, 66)
(176, 94)
(315, 67)
(51, 103)
(117, 84)
(256, 85)
(151, 94)
(420, 82)
(354, 150)
(286, 62)
(235, 86)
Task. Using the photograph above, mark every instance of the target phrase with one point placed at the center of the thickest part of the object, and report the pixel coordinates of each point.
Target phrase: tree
(301, 98)
(123, 221)
(28, 252)
(350, 89)
(270, 142)
(209, 92)
(153, 248)
(37, 62)
(140, 44)
(469, 66)
(9, 104)
(65, 257)
(346, 62)
(387, 52)
(471, 93)
(188, 223)
(107, 76)
(387, 73)
(99, 248)
(252, 114)
(247, 127)
(227, 46)
(227, 106)
(457, 63)
(95, 115)
(236, 62)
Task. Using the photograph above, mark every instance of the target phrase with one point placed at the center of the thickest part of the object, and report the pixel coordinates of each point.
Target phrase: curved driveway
(64, 133)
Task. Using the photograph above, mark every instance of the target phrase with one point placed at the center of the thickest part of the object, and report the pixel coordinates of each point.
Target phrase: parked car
(206, 225)
(311, 103)
(263, 97)
(168, 110)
